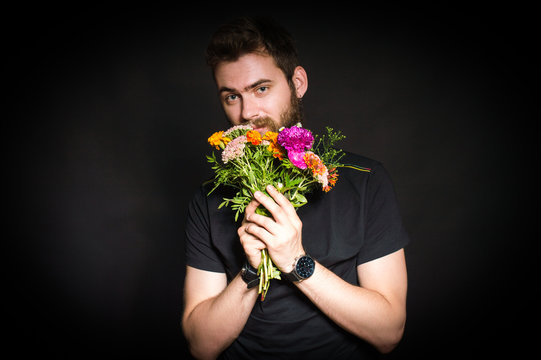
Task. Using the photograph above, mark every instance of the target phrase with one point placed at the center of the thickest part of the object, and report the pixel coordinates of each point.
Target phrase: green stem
(266, 271)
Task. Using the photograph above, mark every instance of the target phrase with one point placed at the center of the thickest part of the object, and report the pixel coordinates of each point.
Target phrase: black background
(108, 112)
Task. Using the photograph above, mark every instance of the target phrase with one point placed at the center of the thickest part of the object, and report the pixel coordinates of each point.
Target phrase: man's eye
(262, 89)
(231, 98)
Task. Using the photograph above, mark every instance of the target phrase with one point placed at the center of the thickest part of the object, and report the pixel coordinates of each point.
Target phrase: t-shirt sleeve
(384, 231)
(200, 252)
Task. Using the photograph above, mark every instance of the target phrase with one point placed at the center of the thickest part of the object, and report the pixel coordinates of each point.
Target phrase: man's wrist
(249, 275)
(291, 266)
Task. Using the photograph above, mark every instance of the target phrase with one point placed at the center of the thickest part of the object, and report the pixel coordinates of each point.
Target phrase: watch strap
(292, 276)
(249, 275)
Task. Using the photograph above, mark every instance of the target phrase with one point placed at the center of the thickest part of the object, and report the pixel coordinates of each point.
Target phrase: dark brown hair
(252, 35)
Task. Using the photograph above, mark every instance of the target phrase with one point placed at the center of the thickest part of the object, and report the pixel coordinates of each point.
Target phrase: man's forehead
(247, 70)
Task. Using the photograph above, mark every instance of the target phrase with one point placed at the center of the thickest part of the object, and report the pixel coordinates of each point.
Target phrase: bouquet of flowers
(293, 160)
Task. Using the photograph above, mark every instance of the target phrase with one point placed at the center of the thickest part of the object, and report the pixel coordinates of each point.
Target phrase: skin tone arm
(374, 311)
(215, 312)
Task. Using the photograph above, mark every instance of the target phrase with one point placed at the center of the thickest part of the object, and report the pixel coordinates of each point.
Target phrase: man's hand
(251, 244)
(281, 234)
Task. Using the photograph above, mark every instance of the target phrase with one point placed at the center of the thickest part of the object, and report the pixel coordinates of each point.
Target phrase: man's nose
(250, 109)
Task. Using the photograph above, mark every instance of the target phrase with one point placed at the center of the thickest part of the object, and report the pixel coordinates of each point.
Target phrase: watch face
(305, 267)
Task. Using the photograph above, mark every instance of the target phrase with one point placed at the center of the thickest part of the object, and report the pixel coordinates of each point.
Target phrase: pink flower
(296, 139)
(234, 149)
(297, 159)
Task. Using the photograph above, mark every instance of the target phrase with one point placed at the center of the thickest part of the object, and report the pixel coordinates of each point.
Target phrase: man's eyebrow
(257, 83)
(247, 88)
(225, 89)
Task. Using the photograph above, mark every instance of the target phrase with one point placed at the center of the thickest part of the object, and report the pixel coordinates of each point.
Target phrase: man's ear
(300, 81)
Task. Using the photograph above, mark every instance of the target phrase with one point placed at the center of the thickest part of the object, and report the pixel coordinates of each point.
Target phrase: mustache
(261, 122)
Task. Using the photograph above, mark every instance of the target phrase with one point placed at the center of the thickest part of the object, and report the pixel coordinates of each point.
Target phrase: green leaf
(301, 198)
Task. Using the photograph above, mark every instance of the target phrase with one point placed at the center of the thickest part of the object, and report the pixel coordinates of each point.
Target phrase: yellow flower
(276, 150)
(271, 136)
(218, 140)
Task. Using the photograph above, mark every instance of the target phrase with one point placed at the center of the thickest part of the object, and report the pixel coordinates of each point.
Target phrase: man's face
(253, 90)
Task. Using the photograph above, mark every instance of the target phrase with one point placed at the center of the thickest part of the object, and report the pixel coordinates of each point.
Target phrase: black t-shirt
(356, 222)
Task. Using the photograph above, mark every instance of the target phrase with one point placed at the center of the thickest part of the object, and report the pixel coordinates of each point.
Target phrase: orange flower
(253, 137)
(314, 163)
(271, 136)
(276, 150)
(332, 178)
(218, 140)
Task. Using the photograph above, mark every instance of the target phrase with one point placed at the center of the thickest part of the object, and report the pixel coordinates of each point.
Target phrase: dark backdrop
(108, 112)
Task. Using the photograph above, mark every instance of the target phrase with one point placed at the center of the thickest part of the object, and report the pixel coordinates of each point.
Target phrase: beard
(289, 117)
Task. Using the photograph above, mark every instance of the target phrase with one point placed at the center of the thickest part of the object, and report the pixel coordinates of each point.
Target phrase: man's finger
(282, 201)
(250, 209)
(270, 205)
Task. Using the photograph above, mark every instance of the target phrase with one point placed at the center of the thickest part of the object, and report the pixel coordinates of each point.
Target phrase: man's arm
(374, 311)
(214, 312)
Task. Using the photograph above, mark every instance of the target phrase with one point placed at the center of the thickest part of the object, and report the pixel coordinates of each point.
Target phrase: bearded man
(350, 302)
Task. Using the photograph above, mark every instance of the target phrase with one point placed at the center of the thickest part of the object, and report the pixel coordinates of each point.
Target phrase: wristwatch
(249, 274)
(303, 268)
